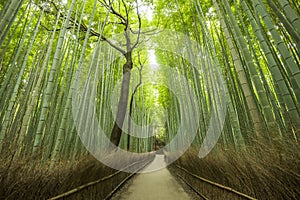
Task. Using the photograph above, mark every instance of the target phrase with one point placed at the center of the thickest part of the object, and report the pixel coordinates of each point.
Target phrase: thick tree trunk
(116, 132)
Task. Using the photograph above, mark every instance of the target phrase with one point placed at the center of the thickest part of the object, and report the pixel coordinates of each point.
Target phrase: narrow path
(157, 185)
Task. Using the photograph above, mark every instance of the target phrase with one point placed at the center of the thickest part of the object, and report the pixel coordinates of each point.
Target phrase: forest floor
(155, 185)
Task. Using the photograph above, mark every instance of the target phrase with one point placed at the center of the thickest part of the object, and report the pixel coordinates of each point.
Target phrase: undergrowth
(24, 179)
(261, 171)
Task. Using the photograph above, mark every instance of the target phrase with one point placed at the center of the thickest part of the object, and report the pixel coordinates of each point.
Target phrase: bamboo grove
(50, 50)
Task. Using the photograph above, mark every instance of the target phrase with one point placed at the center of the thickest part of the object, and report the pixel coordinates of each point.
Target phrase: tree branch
(140, 25)
(113, 11)
(150, 32)
(126, 10)
(113, 45)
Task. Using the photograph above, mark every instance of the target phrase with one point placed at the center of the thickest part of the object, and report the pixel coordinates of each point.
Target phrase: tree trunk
(116, 132)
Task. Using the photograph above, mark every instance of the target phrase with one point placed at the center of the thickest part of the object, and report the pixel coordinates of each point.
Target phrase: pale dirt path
(157, 185)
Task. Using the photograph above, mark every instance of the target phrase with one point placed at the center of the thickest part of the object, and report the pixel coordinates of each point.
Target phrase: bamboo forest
(150, 99)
